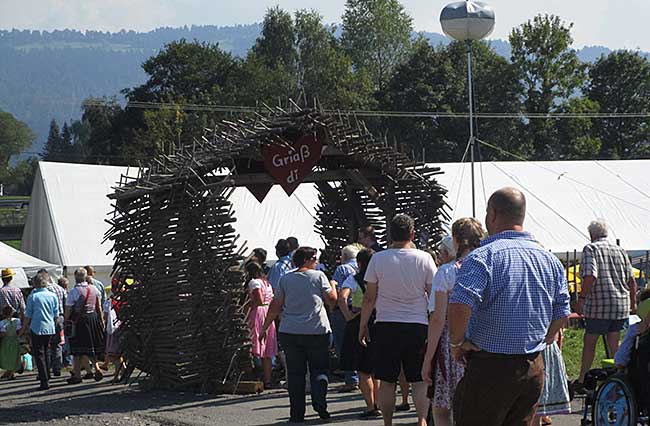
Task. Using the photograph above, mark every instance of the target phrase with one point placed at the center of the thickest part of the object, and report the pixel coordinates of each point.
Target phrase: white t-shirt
(255, 283)
(444, 280)
(402, 277)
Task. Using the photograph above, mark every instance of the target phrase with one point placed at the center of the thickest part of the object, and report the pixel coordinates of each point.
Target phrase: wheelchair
(620, 397)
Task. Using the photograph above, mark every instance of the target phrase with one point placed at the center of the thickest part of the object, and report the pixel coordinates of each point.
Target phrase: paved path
(103, 404)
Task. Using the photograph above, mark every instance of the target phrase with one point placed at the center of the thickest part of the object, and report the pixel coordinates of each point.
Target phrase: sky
(614, 24)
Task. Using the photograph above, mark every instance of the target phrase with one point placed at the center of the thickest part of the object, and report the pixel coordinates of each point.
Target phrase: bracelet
(457, 345)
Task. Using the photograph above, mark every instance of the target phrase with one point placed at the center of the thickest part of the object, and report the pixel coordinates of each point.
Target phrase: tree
(324, 70)
(377, 37)
(577, 137)
(620, 83)
(191, 72)
(15, 137)
(52, 151)
(551, 73)
(276, 46)
(435, 79)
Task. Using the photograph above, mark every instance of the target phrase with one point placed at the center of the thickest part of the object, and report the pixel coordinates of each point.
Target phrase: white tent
(66, 220)
(24, 265)
(562, 198)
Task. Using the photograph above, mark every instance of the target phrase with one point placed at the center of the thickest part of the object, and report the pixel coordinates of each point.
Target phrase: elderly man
(509, 302)
(41, 316)
(347, 267)
(398, 283)
(608, 294)
(98, 284)
(10, 295)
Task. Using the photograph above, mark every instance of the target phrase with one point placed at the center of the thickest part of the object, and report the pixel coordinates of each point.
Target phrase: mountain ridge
(47, 74)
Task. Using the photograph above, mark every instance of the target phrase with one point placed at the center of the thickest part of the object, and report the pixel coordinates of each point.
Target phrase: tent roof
(22, 264)
(66, 221)
(563, 197)
(13, 258)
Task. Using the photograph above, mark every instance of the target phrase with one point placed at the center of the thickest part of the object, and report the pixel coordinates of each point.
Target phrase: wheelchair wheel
(614, 404)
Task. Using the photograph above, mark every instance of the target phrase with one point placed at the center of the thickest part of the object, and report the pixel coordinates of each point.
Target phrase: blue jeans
(338, 323)
(302, 350)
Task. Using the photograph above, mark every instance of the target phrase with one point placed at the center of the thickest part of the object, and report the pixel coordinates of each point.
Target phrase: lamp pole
(466, 21)
(471, 120)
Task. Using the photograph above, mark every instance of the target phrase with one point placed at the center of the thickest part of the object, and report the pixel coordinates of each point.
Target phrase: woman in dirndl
(440, 370)
(261, 295)
(85, 327)
(555, 394)
(113, 350)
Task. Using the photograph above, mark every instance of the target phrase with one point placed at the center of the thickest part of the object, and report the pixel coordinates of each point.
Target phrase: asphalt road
(103, 404)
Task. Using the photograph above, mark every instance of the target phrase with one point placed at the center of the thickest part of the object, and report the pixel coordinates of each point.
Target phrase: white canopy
(66, 220)
(23, 265)
(563, 197)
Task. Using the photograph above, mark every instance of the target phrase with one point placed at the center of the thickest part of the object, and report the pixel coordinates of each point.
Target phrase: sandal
(547, 420)
(98, 376)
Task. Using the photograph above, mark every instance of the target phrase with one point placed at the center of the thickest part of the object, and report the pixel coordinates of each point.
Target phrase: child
(9, 347)
(622, 357)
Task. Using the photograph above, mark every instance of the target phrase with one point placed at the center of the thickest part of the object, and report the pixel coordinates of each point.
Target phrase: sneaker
(44, 386)
(403, 407)
(348, 388)
(370, 414)
(324, 415)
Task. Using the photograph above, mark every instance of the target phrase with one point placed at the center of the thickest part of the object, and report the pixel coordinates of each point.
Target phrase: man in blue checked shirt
(282, 266)
(509, 302)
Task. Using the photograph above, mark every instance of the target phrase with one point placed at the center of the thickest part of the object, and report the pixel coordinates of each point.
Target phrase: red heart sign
(290, 165)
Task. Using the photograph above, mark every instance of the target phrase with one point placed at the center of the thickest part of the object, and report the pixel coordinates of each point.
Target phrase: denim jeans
(302, 350)
(338, 323)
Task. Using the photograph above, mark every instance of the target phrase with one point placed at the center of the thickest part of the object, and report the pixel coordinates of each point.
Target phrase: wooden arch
(172, 231)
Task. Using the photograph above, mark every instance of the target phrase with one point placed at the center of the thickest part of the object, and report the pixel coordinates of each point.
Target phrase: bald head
(506, 210)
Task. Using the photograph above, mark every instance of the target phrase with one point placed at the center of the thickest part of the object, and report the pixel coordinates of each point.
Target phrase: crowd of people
(59, 326)
(485, 312)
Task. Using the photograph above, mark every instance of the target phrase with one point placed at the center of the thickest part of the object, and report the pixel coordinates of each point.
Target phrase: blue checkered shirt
(279, 269)
(515, 289)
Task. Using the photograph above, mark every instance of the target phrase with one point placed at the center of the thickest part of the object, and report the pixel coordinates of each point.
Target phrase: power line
(241, 109)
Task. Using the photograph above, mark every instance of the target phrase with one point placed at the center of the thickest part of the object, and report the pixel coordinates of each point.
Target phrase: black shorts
(399, 345)
(355, 356)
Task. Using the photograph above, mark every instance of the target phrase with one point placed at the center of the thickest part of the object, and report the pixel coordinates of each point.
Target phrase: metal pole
(471, 120)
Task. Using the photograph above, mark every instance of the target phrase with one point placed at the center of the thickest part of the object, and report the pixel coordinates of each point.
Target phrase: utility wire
(563, 175)
(379, 113)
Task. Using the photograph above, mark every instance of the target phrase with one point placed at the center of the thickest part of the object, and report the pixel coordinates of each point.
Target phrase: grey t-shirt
(304, 311)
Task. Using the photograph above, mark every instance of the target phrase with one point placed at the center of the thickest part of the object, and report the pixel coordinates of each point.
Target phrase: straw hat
(7, 273)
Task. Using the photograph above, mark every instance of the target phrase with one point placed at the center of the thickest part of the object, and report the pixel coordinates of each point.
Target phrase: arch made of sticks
(183, 317)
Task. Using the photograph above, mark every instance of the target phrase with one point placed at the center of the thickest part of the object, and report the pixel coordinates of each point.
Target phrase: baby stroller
(620, 397)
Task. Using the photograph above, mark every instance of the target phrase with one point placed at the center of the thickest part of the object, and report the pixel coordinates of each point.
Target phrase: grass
(572, 351)
(13, 243)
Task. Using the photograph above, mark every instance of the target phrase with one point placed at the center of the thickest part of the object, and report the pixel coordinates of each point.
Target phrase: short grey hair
(80, 275)
(447, 243)
(597, 228)
(41, 280)
(349, 252)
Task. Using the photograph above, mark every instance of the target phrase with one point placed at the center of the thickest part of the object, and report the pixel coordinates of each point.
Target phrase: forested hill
(45, 75)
